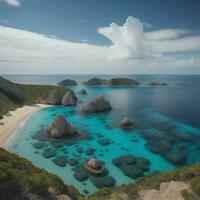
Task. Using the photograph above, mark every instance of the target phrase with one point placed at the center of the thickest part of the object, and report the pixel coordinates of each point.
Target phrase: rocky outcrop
(55, 98)
(11, 90)
(82, 92)
(111, 82)
(168, 191)
(156, 84)
(126, 123)
(68, 82)
(61, 128)
(99, 104)
(94, 167)
(69, 99)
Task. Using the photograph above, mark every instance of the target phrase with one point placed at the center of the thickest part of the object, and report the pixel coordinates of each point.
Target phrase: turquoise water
(152, 109)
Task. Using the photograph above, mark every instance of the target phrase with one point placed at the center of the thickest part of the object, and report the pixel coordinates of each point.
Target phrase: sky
(99, 37)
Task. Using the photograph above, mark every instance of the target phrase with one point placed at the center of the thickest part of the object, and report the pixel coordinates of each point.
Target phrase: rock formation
(68, 82)
(156, 84)
(82, 92)
(94, 167)
(61, 128)
(99, 104)
(55, 98)
(126, 123)
(69, 99)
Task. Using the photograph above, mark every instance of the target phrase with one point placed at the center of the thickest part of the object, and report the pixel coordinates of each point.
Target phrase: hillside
(14, 95)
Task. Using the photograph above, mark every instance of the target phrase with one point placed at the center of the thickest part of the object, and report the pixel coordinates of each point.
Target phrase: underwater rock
(89, 151)
(82, 92)
(69, 99)
(48, 153)
(86, 191)
(132, 166)
(101, 182)
(68, 82)
(60, 161)
(126, 123)
(39, 145)
(61, 128)
(80, 176)
(99, 104)
(94, 167)
(57, 145)
(73, 161)
(104, 142)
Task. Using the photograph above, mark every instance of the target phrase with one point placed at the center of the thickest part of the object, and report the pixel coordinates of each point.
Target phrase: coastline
(14, 120)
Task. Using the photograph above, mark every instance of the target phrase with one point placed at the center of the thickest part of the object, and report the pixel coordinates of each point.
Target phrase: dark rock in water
(39, 145)
(48, 153)
(57, 145)
(111, 82)
(99, 104)
(68, 82)
(11, 90)
(80, 176)
(156, 84)
(60, 161)
(94, 167)
(89, 151)
(79, 150)
(73, 161)
(69, 99)
(132, 166)
(86, 191)
(104, 142)
(82, 92)
(61, 128)
(177, 157)
(101, 182)
(126, 123)
(55, 98)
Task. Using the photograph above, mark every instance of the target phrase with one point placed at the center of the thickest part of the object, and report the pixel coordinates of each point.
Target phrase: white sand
(15, 120)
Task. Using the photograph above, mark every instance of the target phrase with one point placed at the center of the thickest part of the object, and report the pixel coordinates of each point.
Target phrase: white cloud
(129, 40)
(132, 51)
(165, 34)
(16, 3)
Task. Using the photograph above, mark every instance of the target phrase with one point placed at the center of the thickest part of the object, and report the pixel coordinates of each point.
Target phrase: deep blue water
(166, 117)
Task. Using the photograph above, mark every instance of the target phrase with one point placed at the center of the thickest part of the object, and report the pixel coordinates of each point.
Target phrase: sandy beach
(14, 120)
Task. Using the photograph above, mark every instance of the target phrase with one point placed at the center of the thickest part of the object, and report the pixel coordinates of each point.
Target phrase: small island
(68, 82)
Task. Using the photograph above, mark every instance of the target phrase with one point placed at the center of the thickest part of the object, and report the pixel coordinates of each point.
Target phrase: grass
(18, 178)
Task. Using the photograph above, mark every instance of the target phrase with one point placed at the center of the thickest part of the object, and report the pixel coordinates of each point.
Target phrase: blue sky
(76, 30)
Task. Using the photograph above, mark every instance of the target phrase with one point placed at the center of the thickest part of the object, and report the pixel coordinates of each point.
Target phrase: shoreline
(14, 120)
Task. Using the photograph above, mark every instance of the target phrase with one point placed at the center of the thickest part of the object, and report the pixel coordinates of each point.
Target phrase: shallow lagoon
(145, 105)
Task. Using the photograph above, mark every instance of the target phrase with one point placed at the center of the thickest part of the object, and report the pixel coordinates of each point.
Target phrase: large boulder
(69, 99)
(82, 92)
(126, 123)
(68, 82)
(99, 104)
(55, 98)
(61, 128)
(11, 90)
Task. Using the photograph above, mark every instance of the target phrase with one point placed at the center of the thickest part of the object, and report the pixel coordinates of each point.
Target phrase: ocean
(167, 130)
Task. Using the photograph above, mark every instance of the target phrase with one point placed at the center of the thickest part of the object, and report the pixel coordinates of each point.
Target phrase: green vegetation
(19, 178)
(187, 174)
(195, 185)
(14, 95)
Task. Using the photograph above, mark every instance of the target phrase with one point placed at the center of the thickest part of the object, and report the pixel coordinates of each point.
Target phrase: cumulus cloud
(132, 51)
(129, 40)
(16, 3)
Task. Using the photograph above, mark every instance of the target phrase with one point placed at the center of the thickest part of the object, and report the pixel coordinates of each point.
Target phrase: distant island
(111, 82)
